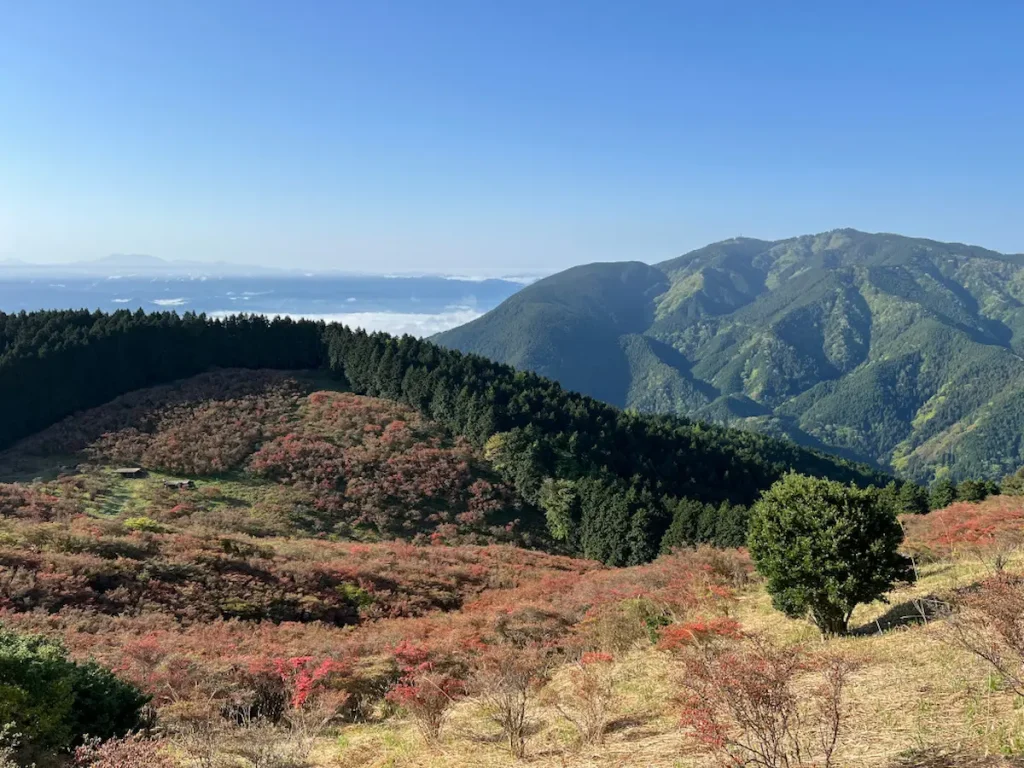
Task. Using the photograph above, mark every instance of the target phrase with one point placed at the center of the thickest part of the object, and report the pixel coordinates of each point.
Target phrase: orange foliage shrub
(741, 703)
(990, 530)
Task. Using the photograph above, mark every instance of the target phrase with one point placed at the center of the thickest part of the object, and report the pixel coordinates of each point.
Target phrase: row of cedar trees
(910, 498)
(619, 475)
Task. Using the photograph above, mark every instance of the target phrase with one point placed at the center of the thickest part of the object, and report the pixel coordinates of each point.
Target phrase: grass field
(915, 699)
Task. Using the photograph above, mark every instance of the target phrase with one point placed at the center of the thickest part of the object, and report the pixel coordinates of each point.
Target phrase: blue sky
(487, 136)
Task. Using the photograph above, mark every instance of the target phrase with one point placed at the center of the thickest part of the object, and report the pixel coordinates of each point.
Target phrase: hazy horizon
(467, 138)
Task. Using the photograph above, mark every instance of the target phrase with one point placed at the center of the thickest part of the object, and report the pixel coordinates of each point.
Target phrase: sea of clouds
(397, 323)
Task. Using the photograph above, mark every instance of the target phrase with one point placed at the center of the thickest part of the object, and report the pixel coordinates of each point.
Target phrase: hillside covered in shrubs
(219, 626)
(391, 554)
(611, 480)
(247, 588)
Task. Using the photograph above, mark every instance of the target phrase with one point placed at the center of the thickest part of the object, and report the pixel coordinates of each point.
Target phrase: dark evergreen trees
(912, 499)
(943, 494)
(974, 490)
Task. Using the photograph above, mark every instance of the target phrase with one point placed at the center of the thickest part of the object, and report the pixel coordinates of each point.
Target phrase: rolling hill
(485, 438)
(898, 351)
(260, 584)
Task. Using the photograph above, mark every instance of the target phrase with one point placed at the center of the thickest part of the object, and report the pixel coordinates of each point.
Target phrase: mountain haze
(900, 351)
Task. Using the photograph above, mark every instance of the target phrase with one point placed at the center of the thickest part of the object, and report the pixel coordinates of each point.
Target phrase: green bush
(1013, 485)
(824, 547)
(54, 702)
(146, 524)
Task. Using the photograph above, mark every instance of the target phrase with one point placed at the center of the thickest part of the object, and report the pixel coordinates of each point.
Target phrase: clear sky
(497, 136)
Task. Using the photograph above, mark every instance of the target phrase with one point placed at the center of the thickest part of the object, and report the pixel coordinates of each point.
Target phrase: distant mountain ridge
(141, 264)
(904, 352)
(134, 264)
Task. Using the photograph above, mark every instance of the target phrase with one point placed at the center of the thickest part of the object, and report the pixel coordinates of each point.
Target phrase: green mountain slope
(568, 327)
(900, 351)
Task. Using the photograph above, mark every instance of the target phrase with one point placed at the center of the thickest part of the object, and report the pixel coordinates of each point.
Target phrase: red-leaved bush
(698, 632)
(427, 689)
(427, 696)
(748, 702)
(990, 530)
(130, 752)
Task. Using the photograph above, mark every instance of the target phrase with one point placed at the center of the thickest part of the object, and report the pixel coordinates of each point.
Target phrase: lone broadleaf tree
(824, 547)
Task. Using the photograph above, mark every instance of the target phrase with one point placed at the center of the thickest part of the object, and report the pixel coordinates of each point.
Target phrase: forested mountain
(898, 351)
(609, 483)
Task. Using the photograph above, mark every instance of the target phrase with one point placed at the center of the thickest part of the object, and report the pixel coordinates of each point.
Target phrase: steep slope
(899, 351)
(567, 327)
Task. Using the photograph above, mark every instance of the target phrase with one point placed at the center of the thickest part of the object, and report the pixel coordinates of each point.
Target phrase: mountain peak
(131, 260)
(873, 345)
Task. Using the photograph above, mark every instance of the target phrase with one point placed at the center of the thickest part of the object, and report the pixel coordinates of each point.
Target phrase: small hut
(130, 472)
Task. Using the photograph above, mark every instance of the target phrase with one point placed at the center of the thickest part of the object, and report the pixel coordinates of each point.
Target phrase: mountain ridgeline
(901, 352)
(609, 484)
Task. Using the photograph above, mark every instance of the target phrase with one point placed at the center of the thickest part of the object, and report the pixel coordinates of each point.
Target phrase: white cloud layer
(397, 323)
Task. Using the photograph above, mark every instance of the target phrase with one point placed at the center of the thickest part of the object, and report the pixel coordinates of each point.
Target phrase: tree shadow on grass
(943, 759)
(920, 610)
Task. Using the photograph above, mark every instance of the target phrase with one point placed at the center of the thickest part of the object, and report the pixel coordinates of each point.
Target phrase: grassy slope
(915, 697)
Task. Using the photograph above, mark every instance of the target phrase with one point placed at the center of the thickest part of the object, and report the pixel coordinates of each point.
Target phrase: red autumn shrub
(288, 687)
(427, 696)
(741, 703)
(429, 685)
(698, 632)
(990, 530)
(129, 752)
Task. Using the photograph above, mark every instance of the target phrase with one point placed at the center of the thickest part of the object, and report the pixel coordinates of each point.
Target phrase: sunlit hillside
(278, 618)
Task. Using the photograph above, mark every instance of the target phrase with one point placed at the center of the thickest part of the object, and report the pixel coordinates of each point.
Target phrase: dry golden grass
(915, 700)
